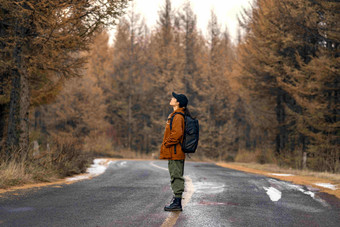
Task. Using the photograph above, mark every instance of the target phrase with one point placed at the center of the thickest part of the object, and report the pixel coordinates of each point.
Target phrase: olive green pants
(176, 170)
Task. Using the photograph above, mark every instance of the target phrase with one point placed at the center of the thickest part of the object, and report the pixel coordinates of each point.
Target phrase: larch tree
(313, 79)
(216, 91)
(79, 110)
(194, 48)
(165, 59)
(42, 40)
(285, 42)
(129, 80)
(259, 57)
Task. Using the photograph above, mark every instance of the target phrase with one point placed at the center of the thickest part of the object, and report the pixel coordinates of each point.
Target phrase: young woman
(171, 148)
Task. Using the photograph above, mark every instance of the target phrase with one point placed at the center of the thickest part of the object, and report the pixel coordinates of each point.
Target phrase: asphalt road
(133, 193)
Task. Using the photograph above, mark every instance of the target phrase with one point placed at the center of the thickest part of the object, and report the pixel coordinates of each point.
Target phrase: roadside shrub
(245, 156)
(229, 158)
(260, 156)
(67, 156)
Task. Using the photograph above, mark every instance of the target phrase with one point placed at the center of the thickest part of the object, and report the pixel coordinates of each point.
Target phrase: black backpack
(191, 133)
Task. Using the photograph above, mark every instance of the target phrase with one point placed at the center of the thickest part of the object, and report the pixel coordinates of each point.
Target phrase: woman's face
(173, 102)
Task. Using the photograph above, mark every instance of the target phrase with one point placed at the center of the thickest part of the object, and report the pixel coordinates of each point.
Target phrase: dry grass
(265, 161)
(273, 168)
(259, 156)
(301, 177)
(12, 173)
(64, 159)
(16, 172)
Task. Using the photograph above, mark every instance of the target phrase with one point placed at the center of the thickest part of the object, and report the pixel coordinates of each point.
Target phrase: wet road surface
(133, 193)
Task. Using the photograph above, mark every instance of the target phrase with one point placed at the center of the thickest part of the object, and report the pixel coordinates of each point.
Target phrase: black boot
(176, 205)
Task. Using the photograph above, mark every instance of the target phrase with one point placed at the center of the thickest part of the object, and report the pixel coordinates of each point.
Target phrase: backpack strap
(172, 118)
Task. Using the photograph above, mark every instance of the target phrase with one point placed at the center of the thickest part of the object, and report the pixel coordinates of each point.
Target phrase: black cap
(182, 99)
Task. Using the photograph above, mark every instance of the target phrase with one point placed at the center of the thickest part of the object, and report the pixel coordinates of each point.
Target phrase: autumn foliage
(40, 48)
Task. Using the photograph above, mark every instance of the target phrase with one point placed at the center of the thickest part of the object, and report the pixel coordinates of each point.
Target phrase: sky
(226, 11)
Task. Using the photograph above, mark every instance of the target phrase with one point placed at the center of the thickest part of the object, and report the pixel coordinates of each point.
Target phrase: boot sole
(176, 209)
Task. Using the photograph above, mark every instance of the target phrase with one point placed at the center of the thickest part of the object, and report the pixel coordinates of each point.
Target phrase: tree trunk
(13, 119)
(3, 120)
(280, 116)
(18, 134)
(129, 123)
(24, 111)
(304, 160)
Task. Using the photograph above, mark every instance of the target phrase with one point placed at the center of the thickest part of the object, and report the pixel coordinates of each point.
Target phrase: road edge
(296, 179)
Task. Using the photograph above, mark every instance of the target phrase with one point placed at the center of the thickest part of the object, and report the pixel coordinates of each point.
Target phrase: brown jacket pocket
(165, 152)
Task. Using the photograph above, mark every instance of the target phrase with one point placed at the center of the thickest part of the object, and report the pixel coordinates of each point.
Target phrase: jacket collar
(181, 109)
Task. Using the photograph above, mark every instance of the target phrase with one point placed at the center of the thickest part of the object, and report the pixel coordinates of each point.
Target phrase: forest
(270, 96)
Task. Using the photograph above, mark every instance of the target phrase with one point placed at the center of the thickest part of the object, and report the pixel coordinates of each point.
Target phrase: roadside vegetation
(273, 168)
(65, 158)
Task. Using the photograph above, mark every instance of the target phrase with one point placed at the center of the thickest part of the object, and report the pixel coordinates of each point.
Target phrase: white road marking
(188, 192)
(273, 193)
(327, 185)
(159, 167)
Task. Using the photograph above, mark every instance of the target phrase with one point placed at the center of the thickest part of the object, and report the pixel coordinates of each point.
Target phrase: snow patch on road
(82, 177)
(123, 163)
(282, 174)
(98, 167)
(209, 187)
(326, 185)
(288, 186)
(282, 185)
(273, 193)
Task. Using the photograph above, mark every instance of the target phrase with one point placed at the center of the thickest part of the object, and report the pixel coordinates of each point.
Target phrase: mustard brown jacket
(171, 148)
